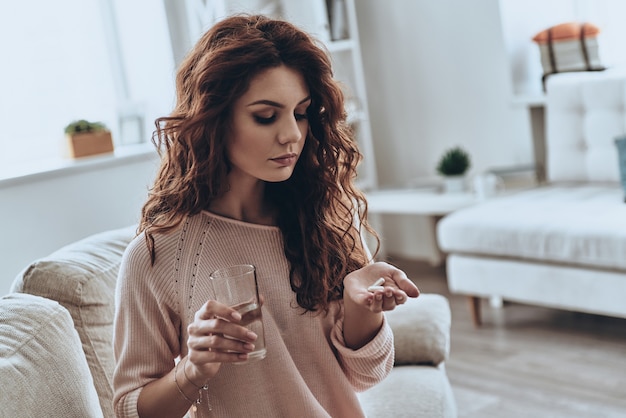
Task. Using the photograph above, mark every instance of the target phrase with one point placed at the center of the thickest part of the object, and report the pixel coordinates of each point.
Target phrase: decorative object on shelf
(131, 123)
(453, 166)
(337, 19)
(86, 138)
(620, 143)
(569, 47)
(486, 185)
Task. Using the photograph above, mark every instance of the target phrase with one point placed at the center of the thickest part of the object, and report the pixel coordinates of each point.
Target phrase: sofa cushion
(570, 46)
(421, 330)
(409, 392)
(585, 111)
(82, 277)
(572, 224)
(43, 367)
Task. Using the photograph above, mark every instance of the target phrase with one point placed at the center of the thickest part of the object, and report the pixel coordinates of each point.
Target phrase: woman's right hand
(215, 337)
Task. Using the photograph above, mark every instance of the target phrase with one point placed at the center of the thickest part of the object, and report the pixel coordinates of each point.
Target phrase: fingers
(215, 335)
(221, 348)
(403, 282)
(212, 309)
(217, 318)
(395, 279)
(206, 331)
(386, 299)
(372, 274)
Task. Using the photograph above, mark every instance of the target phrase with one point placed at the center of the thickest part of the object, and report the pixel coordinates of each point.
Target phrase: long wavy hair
(320, 212)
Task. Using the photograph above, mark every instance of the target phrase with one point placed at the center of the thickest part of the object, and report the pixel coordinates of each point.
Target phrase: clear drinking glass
(236, 286)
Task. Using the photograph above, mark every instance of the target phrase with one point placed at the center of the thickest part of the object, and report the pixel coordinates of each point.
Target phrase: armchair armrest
(81, 277)
(44, 370)
(421, 329)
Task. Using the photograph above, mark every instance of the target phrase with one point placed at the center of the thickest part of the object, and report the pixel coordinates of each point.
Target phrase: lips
(286, 160)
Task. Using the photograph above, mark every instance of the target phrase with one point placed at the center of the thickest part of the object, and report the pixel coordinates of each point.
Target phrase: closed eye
(265, 121)
(300, 116)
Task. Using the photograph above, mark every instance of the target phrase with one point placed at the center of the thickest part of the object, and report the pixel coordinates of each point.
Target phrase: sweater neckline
(238, 222)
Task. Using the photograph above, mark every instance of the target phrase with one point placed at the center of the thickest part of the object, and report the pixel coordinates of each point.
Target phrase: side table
(425, 202)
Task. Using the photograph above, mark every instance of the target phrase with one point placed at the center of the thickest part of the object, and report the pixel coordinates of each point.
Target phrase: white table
(417, 202)
(426, 202)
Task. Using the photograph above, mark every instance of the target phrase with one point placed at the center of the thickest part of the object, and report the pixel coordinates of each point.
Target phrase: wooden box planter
(89, 143)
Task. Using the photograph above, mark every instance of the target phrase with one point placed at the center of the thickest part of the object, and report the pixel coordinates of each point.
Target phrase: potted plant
(453, 166)
(86, 138)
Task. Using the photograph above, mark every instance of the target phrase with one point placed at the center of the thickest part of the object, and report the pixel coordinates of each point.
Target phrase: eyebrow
(276, 104)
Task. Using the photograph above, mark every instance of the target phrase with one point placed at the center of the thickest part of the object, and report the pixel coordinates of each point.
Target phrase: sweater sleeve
(146, 337)
(371, 363)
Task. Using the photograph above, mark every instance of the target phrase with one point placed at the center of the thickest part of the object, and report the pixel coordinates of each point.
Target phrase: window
(103, 60)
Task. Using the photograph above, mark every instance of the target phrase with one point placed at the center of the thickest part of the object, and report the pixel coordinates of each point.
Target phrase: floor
(527, 361)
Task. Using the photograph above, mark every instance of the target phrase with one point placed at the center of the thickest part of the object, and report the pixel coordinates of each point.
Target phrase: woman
(257, 168)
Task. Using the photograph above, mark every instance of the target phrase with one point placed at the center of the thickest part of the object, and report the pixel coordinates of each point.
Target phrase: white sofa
(56, 355)
(563, 244)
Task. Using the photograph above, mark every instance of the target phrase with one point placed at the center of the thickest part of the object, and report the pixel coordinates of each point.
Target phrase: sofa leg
(474, 304)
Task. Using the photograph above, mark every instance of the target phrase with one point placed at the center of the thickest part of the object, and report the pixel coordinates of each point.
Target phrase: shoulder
(140, 279)
(137, 251)
(137, 255)
(165, 244)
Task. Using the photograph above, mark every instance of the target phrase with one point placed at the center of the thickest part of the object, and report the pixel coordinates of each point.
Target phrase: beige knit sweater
(308, 371)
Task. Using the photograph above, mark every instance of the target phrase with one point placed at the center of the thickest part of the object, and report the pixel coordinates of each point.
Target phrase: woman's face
(269, 126)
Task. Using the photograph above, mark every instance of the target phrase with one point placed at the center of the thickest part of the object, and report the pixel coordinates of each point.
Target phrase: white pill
(379, 282)
(375, 288)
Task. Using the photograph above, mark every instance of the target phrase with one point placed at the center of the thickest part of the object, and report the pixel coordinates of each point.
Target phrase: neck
(245, 202)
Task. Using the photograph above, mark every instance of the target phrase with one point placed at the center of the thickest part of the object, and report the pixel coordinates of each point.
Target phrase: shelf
(530, 100)
(56, 166)
(340, 46)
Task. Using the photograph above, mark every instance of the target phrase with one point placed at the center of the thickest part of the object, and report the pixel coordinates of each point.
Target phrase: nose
(290, 131)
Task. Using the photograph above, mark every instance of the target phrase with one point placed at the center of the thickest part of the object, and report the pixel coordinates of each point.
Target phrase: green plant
(84, 126)
(454, 162)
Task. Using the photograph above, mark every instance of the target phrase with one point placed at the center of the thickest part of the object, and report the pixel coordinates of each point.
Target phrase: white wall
(38, 216)
(437, 75)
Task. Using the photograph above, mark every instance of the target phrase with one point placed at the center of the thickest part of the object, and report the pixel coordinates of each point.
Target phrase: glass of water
(236, 286)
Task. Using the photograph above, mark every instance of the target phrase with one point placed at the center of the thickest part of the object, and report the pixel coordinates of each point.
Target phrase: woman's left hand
(394, 291)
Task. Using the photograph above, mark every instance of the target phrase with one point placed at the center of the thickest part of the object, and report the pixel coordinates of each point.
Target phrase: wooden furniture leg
(474, 304)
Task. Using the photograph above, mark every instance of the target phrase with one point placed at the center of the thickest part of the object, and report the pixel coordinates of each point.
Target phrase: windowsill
(530, 100)
(54, 167)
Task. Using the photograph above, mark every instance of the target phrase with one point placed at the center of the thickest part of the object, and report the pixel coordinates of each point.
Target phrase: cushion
(574, 224)
(421, 330)
(598, 291)
(585, 112)
(566, 31)
(409, 392)
(569, 47)
(82, 277)
(44, 370)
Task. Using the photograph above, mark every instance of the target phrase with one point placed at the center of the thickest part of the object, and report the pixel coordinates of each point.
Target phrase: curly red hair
(321, 213)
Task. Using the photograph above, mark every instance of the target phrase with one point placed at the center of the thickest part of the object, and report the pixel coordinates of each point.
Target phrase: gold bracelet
(203, 387)
(197, 401)
(194, 404)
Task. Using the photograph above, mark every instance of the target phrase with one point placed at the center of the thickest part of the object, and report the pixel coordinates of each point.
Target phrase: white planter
(454, 184)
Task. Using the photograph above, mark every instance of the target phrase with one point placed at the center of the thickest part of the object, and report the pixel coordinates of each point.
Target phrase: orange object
(567, 32)
(568, 47)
